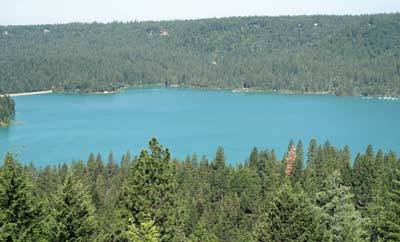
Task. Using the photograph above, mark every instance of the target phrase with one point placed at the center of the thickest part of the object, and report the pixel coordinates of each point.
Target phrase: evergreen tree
(150, 191)
(297, 168)
(343, 222)
(22, 217)
(363, 178)
(146, 231)
(345, 167)
(375, 214)
(74, 212)
(219, 176)
(227, 218)
(312, 152)
(289, 217)
(392, 214)
(254, 159)
(202, 234)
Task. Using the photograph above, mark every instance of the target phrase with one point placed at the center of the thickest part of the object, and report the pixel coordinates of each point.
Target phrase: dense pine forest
(7, 109)
(343, 55)
(312, 194)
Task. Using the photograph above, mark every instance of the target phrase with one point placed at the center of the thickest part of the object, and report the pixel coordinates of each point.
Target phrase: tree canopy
(344, 55)
(152, 197)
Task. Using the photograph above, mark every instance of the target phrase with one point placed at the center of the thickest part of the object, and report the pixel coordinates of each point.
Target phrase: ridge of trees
(343, 55)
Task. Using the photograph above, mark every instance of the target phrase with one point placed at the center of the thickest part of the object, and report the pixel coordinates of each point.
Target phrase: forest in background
(313, 194)
(342, 55)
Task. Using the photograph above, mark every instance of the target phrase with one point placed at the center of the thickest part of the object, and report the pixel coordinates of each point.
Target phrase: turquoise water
(56, 128)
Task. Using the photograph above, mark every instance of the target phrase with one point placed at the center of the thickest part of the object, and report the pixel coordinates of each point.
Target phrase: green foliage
(7, 109)
(150, 191)
(289, 217)
(21, 216)
(343, 222)
(344, 55)
(145, 232)
(363, 178)
(154, 198)
(298, 164)
(74, 212)
(392, 214)
(202, 234)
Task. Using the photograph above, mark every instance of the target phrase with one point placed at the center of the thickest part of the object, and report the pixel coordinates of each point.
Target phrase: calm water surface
(57, 128)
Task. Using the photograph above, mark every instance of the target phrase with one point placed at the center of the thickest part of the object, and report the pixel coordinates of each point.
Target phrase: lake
(56, 128)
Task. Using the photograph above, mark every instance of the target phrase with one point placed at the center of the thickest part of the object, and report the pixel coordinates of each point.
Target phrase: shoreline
(27, 93)
(234, 90)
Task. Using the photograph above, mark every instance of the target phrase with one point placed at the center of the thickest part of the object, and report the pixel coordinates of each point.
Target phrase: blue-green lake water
(58, 128)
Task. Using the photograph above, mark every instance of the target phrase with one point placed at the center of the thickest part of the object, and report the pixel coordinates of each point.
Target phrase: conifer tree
(364, 178)
(254, 159)
(345, 167)
(226, 217)
(272, 175)
(74, 212)
(202, 234)
(312, 152)
(297, 166)
(22, 217)
(146, 231)
(150, 191)
(290, 216)
(219, 176)
(375, 214)
(343, 222)
(392, 215)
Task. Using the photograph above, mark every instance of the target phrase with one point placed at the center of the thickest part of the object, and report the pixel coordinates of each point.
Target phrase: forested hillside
(344, 55)
(150, 197)
(7, 109)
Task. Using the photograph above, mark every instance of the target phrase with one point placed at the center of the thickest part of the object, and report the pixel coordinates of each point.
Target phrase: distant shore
(27, 93)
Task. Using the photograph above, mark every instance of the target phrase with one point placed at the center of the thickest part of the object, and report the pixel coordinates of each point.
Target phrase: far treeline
(151, 197)
(343, 55)
(7, 110)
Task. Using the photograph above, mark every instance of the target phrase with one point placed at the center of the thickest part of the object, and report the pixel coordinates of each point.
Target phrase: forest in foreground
(342, 55)
(312, 194)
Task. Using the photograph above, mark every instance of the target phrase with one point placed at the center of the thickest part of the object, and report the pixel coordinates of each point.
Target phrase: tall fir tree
(343, 222)
(150, 190)
(392, 214)
(22, 216)
(219, 176)
(254, 159)
(297, 169)
(74, 212)
(312, 152)
(289, 217)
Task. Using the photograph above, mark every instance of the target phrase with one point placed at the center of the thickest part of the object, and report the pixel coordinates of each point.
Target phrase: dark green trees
(342, 221)
(286, 53)
(289, 217)
(218, 179)
(74, 212)
(201, 234)
(391, 227)
(153, 198)
(150, 190)
(7, 109)
(21, 215)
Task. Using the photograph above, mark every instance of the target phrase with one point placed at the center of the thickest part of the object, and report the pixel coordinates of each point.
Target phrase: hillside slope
(344, 55)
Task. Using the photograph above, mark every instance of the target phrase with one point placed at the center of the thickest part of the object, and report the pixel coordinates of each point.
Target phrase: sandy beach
(28, 93)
